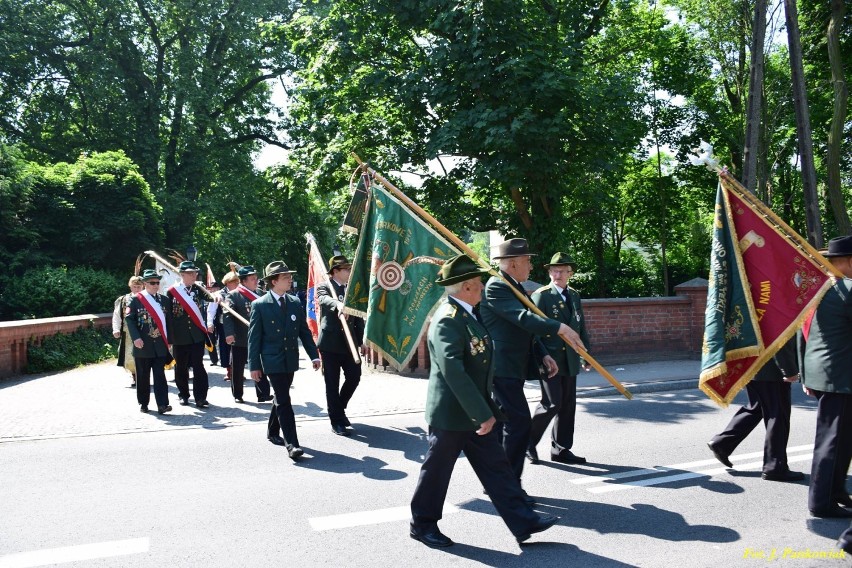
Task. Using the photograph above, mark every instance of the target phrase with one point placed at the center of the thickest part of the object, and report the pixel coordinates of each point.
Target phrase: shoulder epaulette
(542, 289)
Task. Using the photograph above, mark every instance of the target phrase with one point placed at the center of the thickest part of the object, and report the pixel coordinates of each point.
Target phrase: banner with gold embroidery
(764, 278)
(392, 283)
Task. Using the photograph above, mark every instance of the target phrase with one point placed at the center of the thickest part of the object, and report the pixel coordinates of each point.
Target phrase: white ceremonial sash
(155, 310)
(189, 306)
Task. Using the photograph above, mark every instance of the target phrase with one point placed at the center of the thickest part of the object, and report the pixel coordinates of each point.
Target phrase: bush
(46, 292)
(65, 351)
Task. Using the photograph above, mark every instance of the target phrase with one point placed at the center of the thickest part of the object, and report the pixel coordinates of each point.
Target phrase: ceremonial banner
(354, 217)
(316, 276)
(210, 278)
(763, 281)
(392, 283)
(168, 278)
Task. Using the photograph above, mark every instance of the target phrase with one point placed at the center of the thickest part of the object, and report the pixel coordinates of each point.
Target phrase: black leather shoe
(339, 429)
(164, 409)
(433, 538)
(532, 455)
(143, 409)
(543, 523)
(783, 475)
(240, 400)
(277, 440)
(264, 398)
(721, 457)
(832, 513)
(184, 402)
(844, 500)
(202, 404)
(567, 457)
(295, 452)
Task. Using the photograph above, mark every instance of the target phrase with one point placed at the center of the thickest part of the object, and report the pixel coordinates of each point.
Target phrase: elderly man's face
(250, 281)
(188, 278)
(560, 275)
(136, 287)
(522, 268)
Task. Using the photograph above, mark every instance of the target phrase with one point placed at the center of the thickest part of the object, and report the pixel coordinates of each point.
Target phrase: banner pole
(476, 258)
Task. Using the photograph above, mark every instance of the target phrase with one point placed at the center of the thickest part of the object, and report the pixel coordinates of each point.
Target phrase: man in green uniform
(276, 324)
(461, 414)
(517, 349)
(148, 322)
(826, 370)
(559, 393)
(189, 335)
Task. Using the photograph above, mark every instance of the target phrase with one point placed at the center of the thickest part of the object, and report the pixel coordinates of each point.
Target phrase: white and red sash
(248, 294)
(152, 306)
(189, 306)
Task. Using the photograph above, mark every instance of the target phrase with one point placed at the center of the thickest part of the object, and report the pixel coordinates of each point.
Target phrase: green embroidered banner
(392, 284)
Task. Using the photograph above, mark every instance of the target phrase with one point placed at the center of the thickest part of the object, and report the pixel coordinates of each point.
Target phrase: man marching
(236, 333)
(333, 346)
(147, 319)
(189, 336)
(276, 324)
(559, 393)
(462, 416)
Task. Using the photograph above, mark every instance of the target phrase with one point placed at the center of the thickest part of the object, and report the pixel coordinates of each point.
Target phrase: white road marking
(361, 518)
(609, 488)
(687, 465)
(75, 553)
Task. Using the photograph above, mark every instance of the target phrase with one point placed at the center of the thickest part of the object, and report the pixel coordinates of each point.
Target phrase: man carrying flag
(334, 347)
(827, 374)
(147, 319)
(189, 336)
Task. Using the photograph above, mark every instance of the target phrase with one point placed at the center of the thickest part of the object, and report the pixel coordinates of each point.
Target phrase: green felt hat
(458, 269)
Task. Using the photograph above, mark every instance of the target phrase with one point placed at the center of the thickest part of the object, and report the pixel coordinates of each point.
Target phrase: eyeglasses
(153, 283)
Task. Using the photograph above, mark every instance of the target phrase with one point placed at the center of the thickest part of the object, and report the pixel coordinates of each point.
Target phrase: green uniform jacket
(461, 373)
(331, 336)
(181, 329)
(140, 325)
(783, 364)
(827, 361)
(231, 325)
(513, 328)
(550, 301)
(273, 335)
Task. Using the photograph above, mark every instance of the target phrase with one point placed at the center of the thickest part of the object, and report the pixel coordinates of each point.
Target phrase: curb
(640, 388)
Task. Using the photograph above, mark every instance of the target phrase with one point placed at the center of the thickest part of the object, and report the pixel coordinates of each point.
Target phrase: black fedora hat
(458, 269)
(840, 246)
(150, 274)
(561, 259)
(512, 248)
(338, 261)
(275, 268)
(246, 271)
(187, 266)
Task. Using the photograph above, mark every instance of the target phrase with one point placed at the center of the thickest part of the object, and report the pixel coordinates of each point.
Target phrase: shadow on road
(369, 467)
(605, 518)
(533, 554)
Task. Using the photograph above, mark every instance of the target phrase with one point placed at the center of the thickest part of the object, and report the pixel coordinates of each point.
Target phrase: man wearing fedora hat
(559, 393)
(216, 319)
(461, 414)
(148, 321)
(189, 335)
(517, 350)
(276, 323)
(236, 333)
(826, 371)
(333, 346)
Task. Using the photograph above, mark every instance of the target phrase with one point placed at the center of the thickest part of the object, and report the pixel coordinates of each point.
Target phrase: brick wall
(623, 330)
(14, 336)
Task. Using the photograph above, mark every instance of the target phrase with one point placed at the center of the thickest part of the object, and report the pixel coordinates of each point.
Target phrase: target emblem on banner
(390, 275)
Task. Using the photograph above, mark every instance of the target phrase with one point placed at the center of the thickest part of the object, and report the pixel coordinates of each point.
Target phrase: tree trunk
(755, 90)
(835, 134)
(803, 126)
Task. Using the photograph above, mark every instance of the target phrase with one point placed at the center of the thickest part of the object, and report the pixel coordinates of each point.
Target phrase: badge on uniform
(293, 317)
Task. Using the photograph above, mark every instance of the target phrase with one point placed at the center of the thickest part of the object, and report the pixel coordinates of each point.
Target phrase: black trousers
(768, 402)
(281, 418)
(187, 356)
(488, 461)
(144, 367)
(559, 401)
(509, 393)
(337, 397)
(832, 450)
(239, 358)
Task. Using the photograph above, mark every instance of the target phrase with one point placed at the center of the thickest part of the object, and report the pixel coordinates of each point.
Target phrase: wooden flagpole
(468, 251)
(174, 269)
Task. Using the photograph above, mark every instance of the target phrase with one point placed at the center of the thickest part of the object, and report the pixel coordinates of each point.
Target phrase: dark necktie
(477, 314)
(565, 294)
(281, 301)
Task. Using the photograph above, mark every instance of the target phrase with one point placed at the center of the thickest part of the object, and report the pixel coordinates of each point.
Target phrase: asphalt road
(211, 491)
